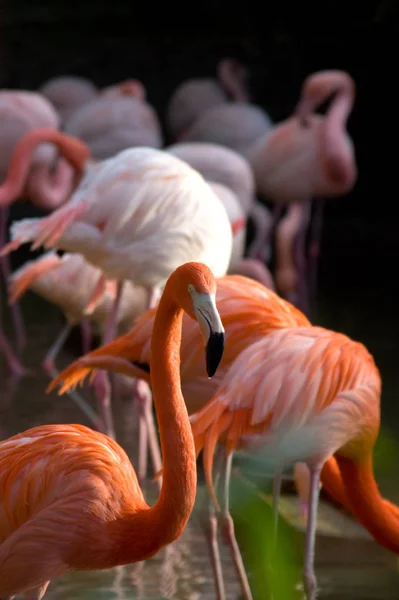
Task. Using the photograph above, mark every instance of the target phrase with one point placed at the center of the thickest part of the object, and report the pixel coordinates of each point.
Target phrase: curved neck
(146, 532)
(74, 150)
(49, 190)
(379, 516)
(337, 116)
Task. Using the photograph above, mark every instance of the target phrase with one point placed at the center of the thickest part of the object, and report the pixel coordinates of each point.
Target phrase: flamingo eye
(191, 289)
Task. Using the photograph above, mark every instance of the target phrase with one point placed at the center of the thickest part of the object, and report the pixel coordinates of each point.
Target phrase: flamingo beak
(212, 330)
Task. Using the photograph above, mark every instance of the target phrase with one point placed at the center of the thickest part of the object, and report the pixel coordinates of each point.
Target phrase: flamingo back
(236, 125)
(191, 100)
(110, 125)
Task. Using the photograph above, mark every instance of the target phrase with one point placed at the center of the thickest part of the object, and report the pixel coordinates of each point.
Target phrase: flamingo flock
(145, 246)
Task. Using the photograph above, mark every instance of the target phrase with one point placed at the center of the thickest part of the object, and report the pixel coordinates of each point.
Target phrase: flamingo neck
(145, 532)
(49, 190)
(338, 162)
(74, 150)
(379, 516)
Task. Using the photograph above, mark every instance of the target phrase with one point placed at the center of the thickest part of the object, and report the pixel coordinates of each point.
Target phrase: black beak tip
(214, 352)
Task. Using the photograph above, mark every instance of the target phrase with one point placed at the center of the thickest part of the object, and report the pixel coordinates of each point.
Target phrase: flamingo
(305, 157)
(67, 93)
(70, 496)
(111, 123)
(23, 113)
(222, 165)
(194, 97)
(136, 216)
(308, 394)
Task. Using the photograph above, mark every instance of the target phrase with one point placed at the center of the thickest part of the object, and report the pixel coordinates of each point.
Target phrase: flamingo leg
(17, 370)
(277, 481)
(228, 527)
(49, 360)
(5, 269)
(144, 397)
(101, 382)
(52, 372)
(87, 335)
(309, 574)
(210, 526)
(263, 220)
(147, 434)
(300, 261)
(143, 437)
(316, 229)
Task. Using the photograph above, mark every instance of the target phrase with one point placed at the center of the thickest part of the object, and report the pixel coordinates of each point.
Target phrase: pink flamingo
(302, 394)
(110, 124)
(307, 156)
(136, 216)
(68, 93)
(194, 97)
(46, 181)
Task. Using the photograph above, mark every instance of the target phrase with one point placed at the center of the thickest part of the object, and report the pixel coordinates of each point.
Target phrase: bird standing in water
(304, 394)
(70, 498)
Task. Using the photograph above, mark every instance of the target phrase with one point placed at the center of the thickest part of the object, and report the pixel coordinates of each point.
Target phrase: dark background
(281, 43)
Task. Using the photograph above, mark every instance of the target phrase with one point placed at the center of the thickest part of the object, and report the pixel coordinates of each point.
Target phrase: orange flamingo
(86, 511)
(304, 394)
(249, 312)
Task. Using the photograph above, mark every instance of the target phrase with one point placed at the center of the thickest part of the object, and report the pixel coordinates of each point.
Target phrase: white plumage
(138, 216)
